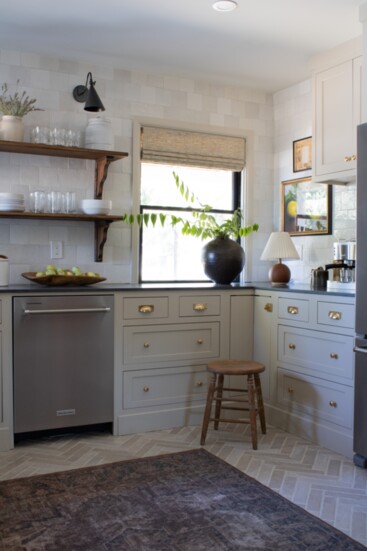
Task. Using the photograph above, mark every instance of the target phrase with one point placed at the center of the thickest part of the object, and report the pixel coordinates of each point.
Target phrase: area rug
(187, 501)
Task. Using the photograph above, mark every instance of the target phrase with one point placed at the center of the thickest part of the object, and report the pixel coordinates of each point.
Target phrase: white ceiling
(263, 44)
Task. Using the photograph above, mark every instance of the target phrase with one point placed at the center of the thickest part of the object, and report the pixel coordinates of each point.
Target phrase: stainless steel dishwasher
(63, 361)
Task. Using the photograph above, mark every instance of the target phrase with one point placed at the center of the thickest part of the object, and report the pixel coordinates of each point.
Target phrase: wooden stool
(215, 392)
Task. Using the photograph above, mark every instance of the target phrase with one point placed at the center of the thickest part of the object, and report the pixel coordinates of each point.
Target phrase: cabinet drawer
(153, 387)
(145, 308)
(336, 315)
(171, 342)
(293, 309)
(199, 306)
(315, 397)
(325, 354)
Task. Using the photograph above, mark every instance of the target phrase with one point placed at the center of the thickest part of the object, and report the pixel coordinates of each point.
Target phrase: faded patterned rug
(187, 501)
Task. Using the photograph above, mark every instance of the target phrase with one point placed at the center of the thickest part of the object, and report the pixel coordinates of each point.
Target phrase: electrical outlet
(57, 249)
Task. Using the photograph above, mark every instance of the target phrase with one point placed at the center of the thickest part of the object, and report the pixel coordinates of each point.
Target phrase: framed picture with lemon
(306, 207)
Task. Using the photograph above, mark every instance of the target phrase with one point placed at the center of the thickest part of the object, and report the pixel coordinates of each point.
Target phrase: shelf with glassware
(102, 158)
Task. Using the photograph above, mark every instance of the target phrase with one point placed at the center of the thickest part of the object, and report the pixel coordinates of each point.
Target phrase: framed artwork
(302, 154)
(306, 207)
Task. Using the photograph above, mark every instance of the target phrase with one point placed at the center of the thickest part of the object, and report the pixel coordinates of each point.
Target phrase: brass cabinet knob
(290, 389)
(200, 341)
(199, 383)
(146, 308)
(146, 388)
(146, 344)
(268, 307)
(292, 346)
(200, 307)
(293, 310)
(349, 158)
(334, 355)
(333, 404)
(334, 315)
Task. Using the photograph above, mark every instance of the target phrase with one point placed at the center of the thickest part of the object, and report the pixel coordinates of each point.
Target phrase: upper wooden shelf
(60, 151)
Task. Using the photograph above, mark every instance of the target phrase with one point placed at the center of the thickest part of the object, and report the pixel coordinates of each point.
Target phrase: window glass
(166, 254)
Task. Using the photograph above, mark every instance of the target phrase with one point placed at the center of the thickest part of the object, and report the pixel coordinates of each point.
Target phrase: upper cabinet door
(337, 113)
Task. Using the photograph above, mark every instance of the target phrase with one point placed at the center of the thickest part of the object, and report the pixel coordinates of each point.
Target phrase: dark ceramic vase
(223, 260)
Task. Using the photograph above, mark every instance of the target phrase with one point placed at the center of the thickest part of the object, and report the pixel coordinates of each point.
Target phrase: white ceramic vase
(11, 128)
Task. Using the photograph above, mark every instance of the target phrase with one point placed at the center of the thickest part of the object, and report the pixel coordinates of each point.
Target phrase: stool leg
(252, 409)
(218, 403)
(260, 403)
(208, 408)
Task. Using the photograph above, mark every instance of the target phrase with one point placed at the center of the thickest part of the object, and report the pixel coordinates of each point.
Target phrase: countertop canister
(98, 134)
(4, 271)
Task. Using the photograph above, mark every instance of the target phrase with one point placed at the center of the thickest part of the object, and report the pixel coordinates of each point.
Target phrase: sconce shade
(89, 97)
(279, 246)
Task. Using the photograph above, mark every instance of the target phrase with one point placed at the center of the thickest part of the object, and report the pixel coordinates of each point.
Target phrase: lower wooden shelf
(101, 224)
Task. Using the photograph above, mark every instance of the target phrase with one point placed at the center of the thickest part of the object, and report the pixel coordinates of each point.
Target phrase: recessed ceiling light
(225, 5)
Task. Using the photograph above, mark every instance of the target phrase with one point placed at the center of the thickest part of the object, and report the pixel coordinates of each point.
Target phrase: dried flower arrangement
(16, 105)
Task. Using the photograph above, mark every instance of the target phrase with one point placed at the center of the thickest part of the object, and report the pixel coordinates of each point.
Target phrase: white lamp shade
(279, 245)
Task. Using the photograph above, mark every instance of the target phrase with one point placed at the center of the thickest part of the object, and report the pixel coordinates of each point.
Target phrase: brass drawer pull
(200, 341)
(268, 307)
(349, 158)
(334, 355)
(199, 383)
(200, 307)
(292, 346)
(293, 310)
(333, 404)
(146, 308)
(146, 344)
(334, 315)
(290, 389)
(146, 388)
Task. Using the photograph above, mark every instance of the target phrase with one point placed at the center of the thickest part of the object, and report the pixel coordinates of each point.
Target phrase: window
(210, 166)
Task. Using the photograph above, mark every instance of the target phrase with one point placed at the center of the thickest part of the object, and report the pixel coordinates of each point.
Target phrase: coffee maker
(342, 270)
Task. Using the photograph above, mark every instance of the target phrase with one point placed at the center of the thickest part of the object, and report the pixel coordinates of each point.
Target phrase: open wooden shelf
(102, 158)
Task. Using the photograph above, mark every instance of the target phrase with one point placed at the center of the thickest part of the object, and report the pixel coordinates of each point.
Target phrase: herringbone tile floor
(326, 484)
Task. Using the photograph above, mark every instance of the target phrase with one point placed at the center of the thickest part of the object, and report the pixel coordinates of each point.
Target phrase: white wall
(292, 121)
(127, 96)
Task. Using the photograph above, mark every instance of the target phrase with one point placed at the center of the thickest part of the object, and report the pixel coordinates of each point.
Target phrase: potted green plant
(13, 108)
(223, 257)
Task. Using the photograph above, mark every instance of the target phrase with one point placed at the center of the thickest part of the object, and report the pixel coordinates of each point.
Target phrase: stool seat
(235, 367)
(248, 369)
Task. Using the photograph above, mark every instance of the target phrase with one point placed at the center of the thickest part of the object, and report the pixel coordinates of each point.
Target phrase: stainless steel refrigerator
(360, 394)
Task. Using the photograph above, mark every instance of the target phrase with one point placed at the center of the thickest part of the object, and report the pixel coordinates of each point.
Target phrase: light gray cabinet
(165, 343)
(311, 365)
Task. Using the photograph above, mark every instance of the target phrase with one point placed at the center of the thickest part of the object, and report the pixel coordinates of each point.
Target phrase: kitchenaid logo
(63, 412)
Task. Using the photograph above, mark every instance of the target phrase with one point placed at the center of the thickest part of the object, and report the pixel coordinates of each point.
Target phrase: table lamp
(279, 246)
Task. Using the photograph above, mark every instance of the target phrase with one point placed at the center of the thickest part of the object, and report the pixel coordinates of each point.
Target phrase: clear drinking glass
(70, 201)
(39, 201)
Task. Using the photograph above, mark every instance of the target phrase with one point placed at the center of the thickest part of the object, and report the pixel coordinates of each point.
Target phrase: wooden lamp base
(279, 275)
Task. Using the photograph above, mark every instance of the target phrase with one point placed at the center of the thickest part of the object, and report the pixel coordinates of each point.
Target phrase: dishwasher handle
(362, 349)
(68, 311)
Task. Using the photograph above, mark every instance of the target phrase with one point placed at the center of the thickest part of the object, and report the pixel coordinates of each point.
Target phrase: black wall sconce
(88, 96)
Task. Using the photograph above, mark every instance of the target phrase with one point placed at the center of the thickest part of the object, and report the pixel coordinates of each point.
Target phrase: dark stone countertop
(126, 287)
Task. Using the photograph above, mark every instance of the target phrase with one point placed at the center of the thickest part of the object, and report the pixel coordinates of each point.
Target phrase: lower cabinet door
(159, 387)
(317, 398)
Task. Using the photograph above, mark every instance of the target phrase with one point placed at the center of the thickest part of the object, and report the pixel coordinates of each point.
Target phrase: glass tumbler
(39, 201)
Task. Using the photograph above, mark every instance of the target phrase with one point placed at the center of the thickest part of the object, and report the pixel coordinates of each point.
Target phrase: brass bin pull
(333, 404)
(146, 388)
(268, 307)
(292, 346)
(146, 308)
(290, 389)
(146, 344)
(200, 307)
(334, 355)
(334, 315)
(293, 310)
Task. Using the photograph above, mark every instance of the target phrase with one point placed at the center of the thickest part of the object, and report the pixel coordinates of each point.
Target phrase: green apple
(50, 267)
(60, 271)
(40, 274)
(76, 270)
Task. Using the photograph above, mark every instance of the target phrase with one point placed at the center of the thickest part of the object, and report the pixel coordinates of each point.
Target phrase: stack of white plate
(12, 202)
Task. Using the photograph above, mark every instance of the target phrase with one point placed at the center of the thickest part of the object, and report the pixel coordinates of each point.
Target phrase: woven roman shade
(184, 148)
